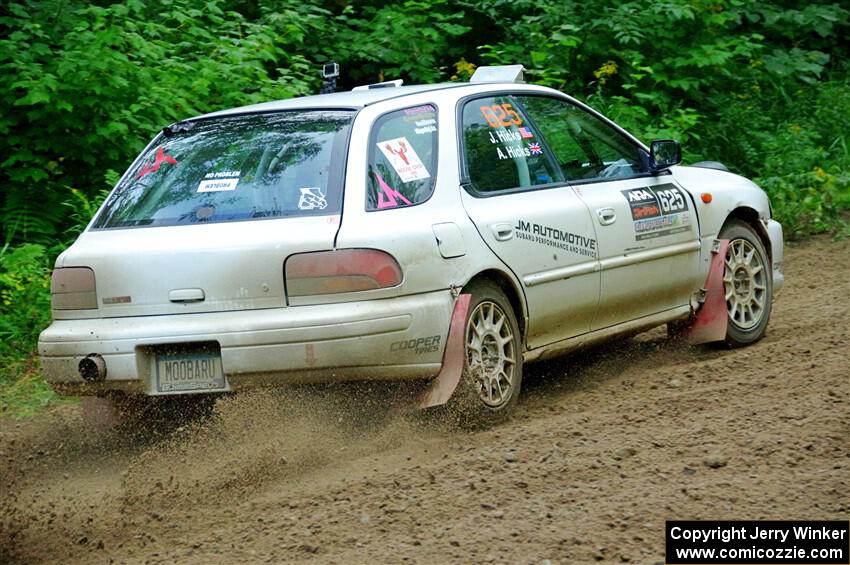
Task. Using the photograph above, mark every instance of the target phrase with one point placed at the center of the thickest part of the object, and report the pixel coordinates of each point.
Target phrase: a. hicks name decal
(555, 237)
(658, 210)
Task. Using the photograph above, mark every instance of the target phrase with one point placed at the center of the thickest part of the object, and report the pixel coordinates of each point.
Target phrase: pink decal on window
(387, 198)
(161, 158)
(418, 110)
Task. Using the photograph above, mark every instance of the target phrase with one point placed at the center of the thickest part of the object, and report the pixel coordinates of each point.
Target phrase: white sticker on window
(425, 126)
(312, 198)
(222, 174)
(403, 159)
(217, 185)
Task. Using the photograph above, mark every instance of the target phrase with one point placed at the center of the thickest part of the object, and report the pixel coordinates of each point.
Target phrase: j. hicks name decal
(554, 237)
(658, 210)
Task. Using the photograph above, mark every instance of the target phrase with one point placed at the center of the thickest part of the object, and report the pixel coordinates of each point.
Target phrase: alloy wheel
(745, 283)
(490, 349)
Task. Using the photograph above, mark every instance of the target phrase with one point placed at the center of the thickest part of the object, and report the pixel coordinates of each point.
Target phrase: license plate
(180, 372)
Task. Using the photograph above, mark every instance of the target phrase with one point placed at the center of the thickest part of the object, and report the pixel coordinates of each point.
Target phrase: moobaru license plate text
(189, 372)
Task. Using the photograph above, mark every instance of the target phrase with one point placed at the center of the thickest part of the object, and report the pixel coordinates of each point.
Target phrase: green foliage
(23, 392)
(762, 86)
(795, 148)
(810, 202)
(81, 209)
(412, 39)
(87, 86)
(24, 312)
(24, 297)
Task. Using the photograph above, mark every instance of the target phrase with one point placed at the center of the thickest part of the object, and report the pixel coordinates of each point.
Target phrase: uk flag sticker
(535, 149)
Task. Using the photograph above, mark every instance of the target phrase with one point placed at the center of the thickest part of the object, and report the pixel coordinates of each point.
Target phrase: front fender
(728, 192)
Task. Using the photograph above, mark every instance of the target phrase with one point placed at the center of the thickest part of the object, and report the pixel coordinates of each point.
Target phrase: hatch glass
(235, 168)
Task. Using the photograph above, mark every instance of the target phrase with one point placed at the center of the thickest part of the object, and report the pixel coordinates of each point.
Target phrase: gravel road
(605, 446)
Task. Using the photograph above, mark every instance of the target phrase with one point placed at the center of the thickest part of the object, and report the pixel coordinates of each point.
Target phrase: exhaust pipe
(92, 368)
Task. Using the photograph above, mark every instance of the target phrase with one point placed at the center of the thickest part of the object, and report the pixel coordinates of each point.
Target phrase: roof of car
(349, 99)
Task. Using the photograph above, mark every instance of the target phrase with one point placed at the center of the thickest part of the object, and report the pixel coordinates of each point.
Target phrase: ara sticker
(651, 202)
(160, 158)
(217, 185)
(657, 210)
(404, 159)
(312, 198)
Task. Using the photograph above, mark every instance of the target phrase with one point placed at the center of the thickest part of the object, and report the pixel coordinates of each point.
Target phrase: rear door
(647, 230)
(517, 198)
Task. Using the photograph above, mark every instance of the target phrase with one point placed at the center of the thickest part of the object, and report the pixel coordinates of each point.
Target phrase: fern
(82, 209)
(25, 217)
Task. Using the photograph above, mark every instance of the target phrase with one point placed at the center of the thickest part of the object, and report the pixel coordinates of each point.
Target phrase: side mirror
(663, 154)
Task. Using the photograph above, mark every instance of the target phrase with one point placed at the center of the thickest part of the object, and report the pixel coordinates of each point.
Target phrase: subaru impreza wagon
(443, 233)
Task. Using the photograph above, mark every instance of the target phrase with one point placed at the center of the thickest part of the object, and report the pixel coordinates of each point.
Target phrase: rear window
(237, 168)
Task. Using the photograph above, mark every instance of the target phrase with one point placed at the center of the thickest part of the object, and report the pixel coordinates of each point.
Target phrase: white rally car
(444, 233)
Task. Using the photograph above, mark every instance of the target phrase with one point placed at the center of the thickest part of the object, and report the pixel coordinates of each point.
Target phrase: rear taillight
(345, 270)
(72, 288)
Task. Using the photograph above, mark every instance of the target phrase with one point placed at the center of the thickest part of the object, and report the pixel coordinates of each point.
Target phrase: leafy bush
(794, 145)
(88, 85)
(24, 312)
(811, 202)
(24, 297)
(761, 87)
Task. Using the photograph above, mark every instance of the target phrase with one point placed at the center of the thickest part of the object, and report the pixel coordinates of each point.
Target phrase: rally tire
(492, 371)
(747, 283)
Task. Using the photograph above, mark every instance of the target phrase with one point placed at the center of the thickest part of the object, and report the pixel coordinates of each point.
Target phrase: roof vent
(386, 84)
(500, 73)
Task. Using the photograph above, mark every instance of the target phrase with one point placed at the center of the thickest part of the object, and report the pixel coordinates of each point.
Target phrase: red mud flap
(444, 385)
(712, 317)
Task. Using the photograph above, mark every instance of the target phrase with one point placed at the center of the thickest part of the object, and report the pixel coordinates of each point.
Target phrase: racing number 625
(502, 115)
(671, 200)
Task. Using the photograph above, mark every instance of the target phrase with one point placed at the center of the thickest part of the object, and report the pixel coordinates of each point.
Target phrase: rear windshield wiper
(179, 127)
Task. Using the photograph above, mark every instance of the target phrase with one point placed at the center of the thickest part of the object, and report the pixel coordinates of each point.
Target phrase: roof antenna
(330, 72)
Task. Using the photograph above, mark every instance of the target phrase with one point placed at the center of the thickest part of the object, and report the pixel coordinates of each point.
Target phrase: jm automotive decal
(658, 210)
(554, 237)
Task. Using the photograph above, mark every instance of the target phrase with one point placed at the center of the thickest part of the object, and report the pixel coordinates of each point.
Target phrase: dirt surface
(605, 446)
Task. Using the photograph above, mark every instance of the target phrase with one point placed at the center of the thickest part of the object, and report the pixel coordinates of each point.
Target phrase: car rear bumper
(395, 339)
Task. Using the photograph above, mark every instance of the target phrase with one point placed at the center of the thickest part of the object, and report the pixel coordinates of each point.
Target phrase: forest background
(763, 87)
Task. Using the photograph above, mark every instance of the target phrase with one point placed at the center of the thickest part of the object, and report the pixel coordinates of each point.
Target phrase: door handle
(502, 232)
(186, 295)
(607, 216)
